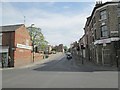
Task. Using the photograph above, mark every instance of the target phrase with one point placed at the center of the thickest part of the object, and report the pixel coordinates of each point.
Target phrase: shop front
(4, 56)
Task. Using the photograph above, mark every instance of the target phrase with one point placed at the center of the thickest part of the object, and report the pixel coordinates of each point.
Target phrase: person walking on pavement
(9, 61)
(3, 62)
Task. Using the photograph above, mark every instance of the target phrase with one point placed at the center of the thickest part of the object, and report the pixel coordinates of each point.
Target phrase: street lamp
(32, 41)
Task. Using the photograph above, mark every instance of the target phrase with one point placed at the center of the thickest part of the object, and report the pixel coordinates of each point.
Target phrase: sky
(61, 22)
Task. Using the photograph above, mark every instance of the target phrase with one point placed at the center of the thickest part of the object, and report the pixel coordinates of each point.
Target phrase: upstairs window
(119, 20)
(103, 15)
(95, 34)
(94, 20)
(119, 23)
(118, 10)
(104, 31)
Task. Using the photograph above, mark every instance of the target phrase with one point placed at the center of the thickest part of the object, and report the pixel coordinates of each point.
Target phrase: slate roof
(9, 28)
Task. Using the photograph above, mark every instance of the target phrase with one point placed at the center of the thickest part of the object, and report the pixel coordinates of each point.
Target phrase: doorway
(4, 59)
(106, 56)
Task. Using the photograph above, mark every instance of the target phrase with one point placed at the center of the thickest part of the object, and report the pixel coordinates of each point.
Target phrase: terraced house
(102, 34)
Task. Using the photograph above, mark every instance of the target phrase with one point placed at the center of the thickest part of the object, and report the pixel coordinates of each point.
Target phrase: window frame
(103, 14)
(104, 31)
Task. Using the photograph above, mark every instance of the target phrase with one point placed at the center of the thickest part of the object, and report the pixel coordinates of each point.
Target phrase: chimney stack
(98, 3)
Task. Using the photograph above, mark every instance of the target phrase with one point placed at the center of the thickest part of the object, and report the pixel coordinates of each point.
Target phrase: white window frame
(103, 14)
(104, 31)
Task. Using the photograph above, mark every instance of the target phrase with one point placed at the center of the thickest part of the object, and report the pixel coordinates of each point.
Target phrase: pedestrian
(9, 61)
(3, 62)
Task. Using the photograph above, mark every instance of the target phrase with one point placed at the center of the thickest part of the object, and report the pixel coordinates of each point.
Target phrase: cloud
(55, 22)
(57, 27)
(47, 0)
(1, 12)
(10, 15)
(62, 29)
(51, 3)
(66, 7)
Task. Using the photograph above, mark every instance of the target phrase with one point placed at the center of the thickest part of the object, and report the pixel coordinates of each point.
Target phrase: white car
(68, 53)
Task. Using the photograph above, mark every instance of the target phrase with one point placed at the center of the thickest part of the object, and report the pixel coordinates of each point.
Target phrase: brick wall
(8, 39)
(22, 56)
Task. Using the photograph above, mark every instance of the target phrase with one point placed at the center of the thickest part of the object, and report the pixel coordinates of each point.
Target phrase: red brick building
(16, 46)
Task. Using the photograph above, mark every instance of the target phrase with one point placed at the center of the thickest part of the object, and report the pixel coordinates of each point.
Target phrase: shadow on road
(65, 65)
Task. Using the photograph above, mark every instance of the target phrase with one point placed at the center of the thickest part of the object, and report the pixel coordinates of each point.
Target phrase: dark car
(69, 56)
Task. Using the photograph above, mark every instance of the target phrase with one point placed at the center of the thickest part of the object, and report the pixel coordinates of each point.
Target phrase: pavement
(50, 58)
(90, 66)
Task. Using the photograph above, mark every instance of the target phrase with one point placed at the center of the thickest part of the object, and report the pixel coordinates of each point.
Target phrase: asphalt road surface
(58, 72)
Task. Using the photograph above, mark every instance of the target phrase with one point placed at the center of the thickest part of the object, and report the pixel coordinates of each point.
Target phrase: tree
(37, 37)
(65, 48)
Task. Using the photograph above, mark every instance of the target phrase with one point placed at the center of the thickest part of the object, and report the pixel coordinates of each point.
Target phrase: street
(58, 72)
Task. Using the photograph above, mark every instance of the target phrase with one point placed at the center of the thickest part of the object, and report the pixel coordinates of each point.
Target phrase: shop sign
(104, 41)
(24, 46)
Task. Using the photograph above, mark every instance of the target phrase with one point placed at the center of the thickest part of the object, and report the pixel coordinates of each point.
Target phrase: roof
(81, 38)
(10, 28)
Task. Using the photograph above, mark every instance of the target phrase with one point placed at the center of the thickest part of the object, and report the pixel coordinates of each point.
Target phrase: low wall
(38, 57)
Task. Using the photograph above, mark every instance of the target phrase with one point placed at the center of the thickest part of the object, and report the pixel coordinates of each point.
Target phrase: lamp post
(32, 41)
(82, 48)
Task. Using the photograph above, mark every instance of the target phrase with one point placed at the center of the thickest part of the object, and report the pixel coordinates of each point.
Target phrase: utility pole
(24, 19)
(33, 51)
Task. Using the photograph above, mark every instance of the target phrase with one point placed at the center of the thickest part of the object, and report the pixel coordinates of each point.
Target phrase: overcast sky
(61, 22)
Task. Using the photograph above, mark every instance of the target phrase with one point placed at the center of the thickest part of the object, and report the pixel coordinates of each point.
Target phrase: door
(106, 56)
